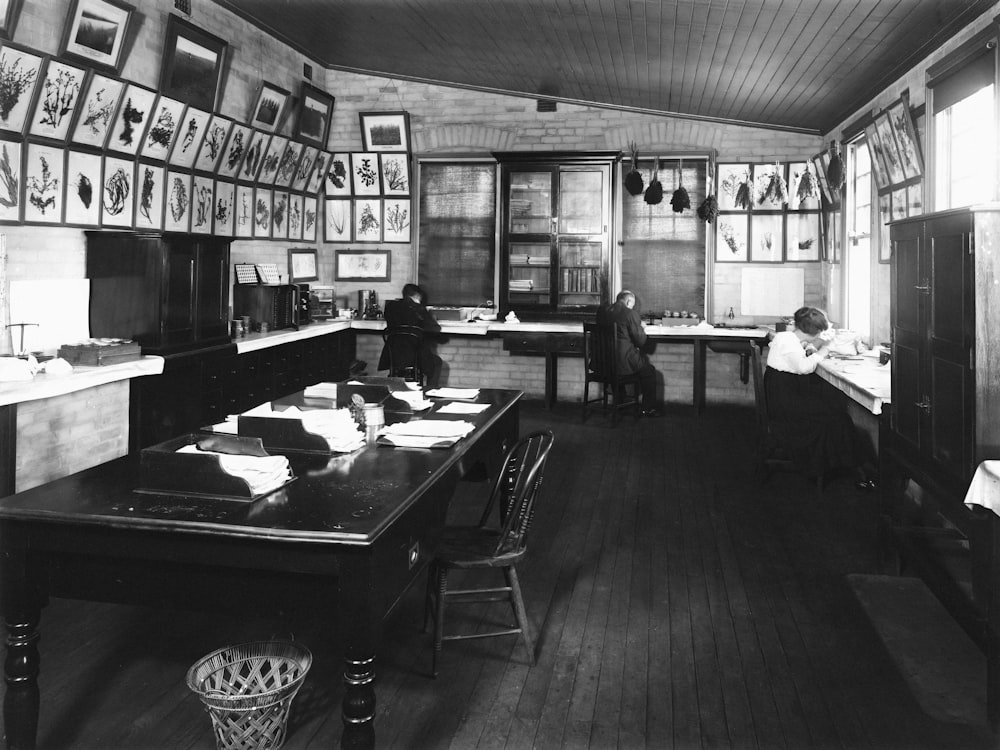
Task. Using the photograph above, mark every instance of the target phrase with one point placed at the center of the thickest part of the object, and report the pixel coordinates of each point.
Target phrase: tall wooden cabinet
(169, 292)
(946, 353)
(556, 228)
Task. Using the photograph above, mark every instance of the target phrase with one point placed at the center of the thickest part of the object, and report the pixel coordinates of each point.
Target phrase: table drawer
(543, 343)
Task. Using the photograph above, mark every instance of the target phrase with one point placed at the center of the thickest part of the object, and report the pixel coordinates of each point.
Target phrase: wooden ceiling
(801, 65)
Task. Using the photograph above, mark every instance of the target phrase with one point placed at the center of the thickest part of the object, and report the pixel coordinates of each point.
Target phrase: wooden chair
(771, 455)
(403, 345)
(498, 541)
(600, 363)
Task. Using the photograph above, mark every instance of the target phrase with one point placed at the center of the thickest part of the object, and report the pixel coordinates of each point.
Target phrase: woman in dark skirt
(805, 414)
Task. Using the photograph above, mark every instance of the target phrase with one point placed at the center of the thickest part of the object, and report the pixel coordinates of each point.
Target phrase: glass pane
(580, 278)
(581, 202)
(735, 191)
(528, 281)
(770, 187)
(803, 187)
(803, 237)
(732, 244)
(767, 236)
(530, 202)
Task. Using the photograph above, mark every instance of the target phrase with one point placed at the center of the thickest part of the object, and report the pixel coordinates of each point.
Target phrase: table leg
(358, 708)
(358, 627)
(551, 378)
(22, 613)
(698, 380)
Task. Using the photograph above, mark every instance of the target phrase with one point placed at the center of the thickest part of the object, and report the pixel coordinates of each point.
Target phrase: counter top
(44, 385)
(257, 341)
(484, 327)
(862, 378)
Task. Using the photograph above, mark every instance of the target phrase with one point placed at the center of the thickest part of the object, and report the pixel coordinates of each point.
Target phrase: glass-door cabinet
(555, 239)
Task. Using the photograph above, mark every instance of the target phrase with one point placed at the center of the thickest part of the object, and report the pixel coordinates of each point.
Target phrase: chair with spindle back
(600, 363)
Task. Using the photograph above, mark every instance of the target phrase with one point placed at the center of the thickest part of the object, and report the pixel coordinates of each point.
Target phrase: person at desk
(630, 338)
(810, 424)
(409, 310)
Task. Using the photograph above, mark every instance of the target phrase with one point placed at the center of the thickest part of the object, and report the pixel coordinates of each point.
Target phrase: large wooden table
(350, 532)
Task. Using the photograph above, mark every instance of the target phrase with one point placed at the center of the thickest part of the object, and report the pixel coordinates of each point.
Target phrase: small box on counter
(100, 352)
(164, 470)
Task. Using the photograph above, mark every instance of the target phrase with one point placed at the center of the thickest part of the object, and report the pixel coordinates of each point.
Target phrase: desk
(351, 532)
(863, 379)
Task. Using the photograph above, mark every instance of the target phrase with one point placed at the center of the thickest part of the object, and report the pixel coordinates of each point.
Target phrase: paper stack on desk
(414, 399)
(426, 433)
(454, 392)
(336, 426)
(261, 473)
(321, 390)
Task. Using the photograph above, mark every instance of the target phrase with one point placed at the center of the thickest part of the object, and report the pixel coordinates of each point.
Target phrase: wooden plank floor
(677, 604)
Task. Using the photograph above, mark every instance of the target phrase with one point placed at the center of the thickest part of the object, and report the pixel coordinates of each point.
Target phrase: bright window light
(965, 141)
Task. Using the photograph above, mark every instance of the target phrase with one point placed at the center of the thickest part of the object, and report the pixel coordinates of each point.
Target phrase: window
(962, 89)
(857, 252)
(456, 241)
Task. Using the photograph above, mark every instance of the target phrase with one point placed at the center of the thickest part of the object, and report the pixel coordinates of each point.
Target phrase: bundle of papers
(321, 390)
(415, 399)
(261, 473)
(336, 426)
(521, 285)
(459, 407)
(426, 433)
(454, 392)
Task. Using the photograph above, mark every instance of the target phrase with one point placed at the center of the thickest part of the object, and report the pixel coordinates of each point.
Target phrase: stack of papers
(521, 285)
(426, 433)
(454, 392)
(321, 390)
(336, 426)
(458, 407)
(261, 473)
(415, 399)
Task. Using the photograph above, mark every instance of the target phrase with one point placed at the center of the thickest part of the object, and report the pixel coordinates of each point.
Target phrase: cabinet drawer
(542, 343)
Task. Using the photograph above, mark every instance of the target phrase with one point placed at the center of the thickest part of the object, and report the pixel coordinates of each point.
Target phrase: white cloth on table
(985, 487)
(454, 392)
(261, 473)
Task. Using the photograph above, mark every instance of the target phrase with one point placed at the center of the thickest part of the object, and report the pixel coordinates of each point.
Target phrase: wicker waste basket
(248, 689)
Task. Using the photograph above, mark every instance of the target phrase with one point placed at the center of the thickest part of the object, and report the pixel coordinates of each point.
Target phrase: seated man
(410, 311)
(630, 338)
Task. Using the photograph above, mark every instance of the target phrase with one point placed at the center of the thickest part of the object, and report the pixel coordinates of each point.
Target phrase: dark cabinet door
(178, 319)
(212, 314)
(909, 294)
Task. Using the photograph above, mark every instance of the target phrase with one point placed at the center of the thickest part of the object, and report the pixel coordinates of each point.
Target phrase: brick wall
(61, 435)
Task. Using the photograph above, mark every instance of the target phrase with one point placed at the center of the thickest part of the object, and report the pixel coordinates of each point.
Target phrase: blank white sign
(772, 291)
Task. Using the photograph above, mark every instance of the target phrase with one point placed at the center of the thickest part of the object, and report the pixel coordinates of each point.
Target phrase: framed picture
(338, 176)
(225, 204)
(731, 245)
(362, 265)
(803, 189)
(906, 139)
(310, 217)
(83, 189)
(11, 177)
(764, 175)
(97, 110)
(302, 265)
(202, 204)
(163, 127)
(395, 169)
(294, 216)
(365, 179)
(271, 160)
(893, 164)
(22, 71)
(10, 10)
(396, 220)
(268, 107)
(254, 159)
(149, 195)
(803, 237)
(189, 138)
(385, 131)
(315, 113)
(882, 220)
(279, 215)
(337, 220)
(735, 191)
(234, 151)
(367, 220)
(899, 203)
(131, 119)
(243, 211)
(44, 178)
(177, 217)
(305, 169)
(262, 213)
(819, 162)
(318, 176)
(879, 171)
(767, 232)
(213, 142)
(193, 64)
(914, 199)
(116, 192)
(58, 98)
(288, 164)
(97, 33)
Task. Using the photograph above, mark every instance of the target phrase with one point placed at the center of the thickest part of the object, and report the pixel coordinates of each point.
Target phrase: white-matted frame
(118, 182)
(150, 180)
(262, 213)
(303, 264)
(234, 152)
(129, 128)
(243, 211)
(11, 177)
(310, 217)
(202, 203)
(338, 176)
(213, 143)
(385, 131)
(365, 177)
(279, 215)
(337, 225)
(83, 189)
(24, 74)
(97, 110)
(44, 182)
(57, 101)
(367, 219)
(295, 216)
(177, 215)
(271, 160)
(395, 170)
(288, 164)
(163, 127)
(97, 33)
(189, 137)
(396, 220)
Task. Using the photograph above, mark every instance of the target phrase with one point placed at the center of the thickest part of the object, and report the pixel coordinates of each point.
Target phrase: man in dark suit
(630, 338)
(410, 311)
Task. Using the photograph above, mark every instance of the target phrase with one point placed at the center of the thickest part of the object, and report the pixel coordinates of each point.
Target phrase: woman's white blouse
(785, 353)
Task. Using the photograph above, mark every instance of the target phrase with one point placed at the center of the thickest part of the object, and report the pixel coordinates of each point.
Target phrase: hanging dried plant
(776, 189)
(737, 186)
(654, 193)
(633, 180)
(680, 199)
(835, 169)
(808, 186)
(708, 209)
